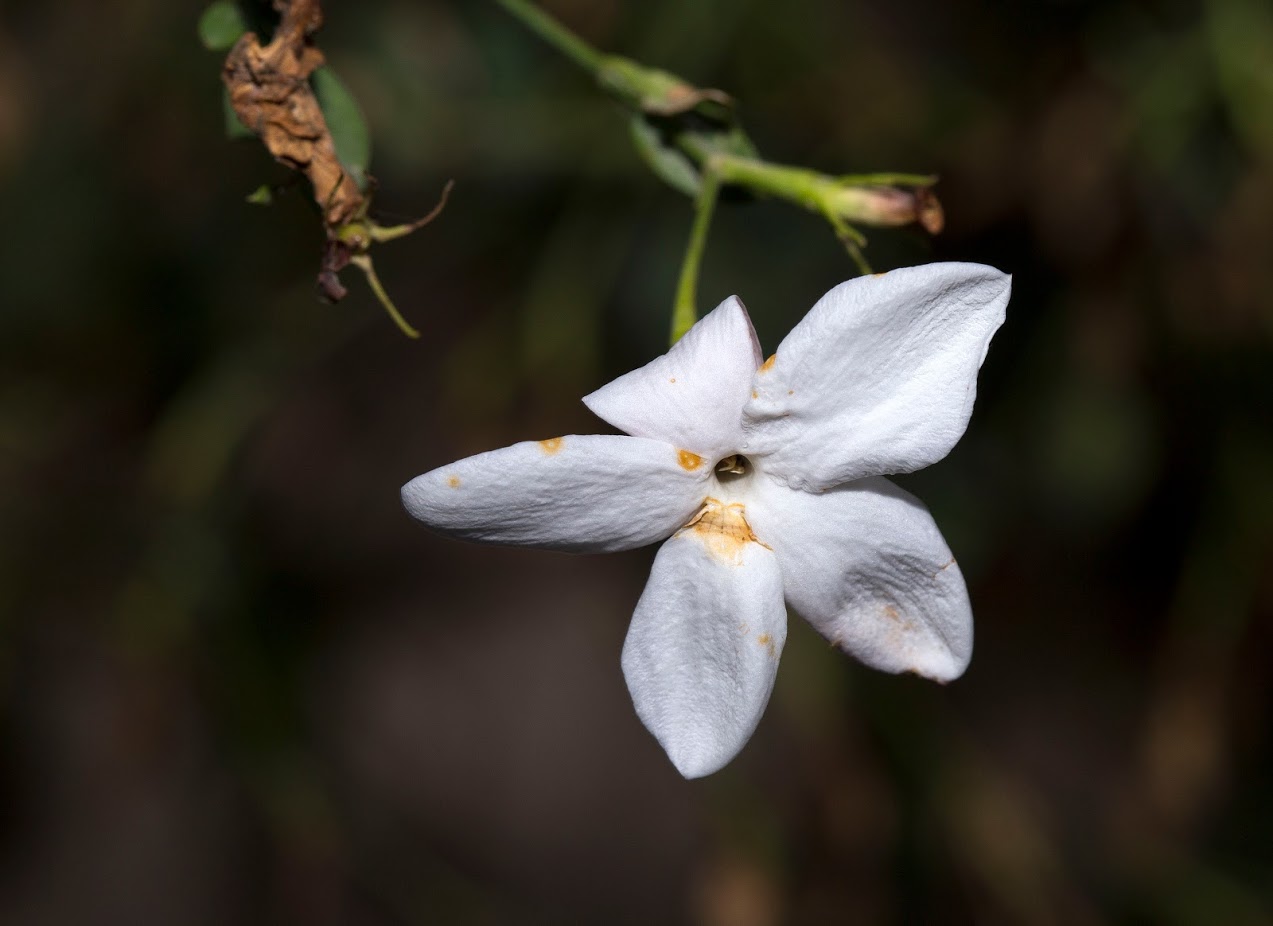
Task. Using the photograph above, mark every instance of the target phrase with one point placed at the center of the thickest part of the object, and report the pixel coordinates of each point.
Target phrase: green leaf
(234, 127)
(659, 142)
(668, 163)
(345, 122)
(221, 25)
(737, 142)
(261, 196)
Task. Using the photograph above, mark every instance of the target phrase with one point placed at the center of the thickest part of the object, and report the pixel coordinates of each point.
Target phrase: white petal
(878, 378)
(581, 493)
(703, 647)
(866, 565)
(693, 395)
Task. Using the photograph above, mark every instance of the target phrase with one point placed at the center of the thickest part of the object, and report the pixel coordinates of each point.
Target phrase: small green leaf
(659, 142)
(234, 127)
(261, 196)
(345, 122)
(736, 142)
(221, 25)
(668, 163)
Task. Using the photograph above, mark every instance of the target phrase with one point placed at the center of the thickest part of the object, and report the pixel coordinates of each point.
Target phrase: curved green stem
(684, 311)
(363, 263)
(724, 156)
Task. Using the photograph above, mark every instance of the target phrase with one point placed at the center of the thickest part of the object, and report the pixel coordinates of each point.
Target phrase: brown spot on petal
(453, 481)
(688, 461)
(765, 367)
(755, 394)
(552, 445)
(722, 529)
(672, 379)
(763, 639)
(891, 613)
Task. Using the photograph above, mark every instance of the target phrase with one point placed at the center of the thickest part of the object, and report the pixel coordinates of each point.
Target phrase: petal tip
(412, 498)
(590, 400)
(421, 497)
(695, 760)
(942, 667)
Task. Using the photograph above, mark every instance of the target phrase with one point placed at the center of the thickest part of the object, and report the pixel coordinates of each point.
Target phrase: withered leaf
(270, 92)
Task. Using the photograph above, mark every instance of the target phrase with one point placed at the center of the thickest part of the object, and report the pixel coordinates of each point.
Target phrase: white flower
(768, 479)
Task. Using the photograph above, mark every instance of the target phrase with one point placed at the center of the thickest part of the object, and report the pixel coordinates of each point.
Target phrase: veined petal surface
(703, 647)
(866, 565)
(693, 395)
(878, 378)
(579, 493)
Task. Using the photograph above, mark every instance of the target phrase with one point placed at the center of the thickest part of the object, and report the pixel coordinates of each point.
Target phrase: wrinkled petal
(703, 648)
(580, 493)
(693, 395)
(878, 378)
(866, 565)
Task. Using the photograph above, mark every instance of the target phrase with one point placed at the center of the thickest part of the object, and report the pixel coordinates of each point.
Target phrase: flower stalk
(684, 312)
(692, 139)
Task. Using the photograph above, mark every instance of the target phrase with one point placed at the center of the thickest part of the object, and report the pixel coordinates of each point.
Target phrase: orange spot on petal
(722, 529)
(689, 461)
(453, 481)
(765, 367)
(552, 445)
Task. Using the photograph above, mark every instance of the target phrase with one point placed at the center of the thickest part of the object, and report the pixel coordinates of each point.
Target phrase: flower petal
(581, 493)
(866, 565)
(693, 395)
(703, 648)
(878, 378)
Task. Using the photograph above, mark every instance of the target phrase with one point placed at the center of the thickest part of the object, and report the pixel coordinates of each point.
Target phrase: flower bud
(889, 206)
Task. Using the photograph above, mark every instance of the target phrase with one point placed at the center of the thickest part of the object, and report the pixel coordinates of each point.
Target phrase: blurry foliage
(236, 685)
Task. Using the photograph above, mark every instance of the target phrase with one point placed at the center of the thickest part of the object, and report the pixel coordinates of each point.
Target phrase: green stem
(807, 188)
(684, 312)
(555, 34)
(878, 199)
(363, 263)
(888, 179)
(830, 197)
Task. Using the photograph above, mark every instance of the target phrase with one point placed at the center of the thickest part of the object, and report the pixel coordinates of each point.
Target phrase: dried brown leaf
(270, 92)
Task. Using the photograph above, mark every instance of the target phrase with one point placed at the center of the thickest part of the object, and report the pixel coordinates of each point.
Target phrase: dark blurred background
(239, 685)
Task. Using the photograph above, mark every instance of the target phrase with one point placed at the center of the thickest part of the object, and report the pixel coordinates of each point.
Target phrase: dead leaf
(270, 92)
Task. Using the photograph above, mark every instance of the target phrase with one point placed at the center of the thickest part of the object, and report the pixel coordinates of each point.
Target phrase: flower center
(732, 467)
